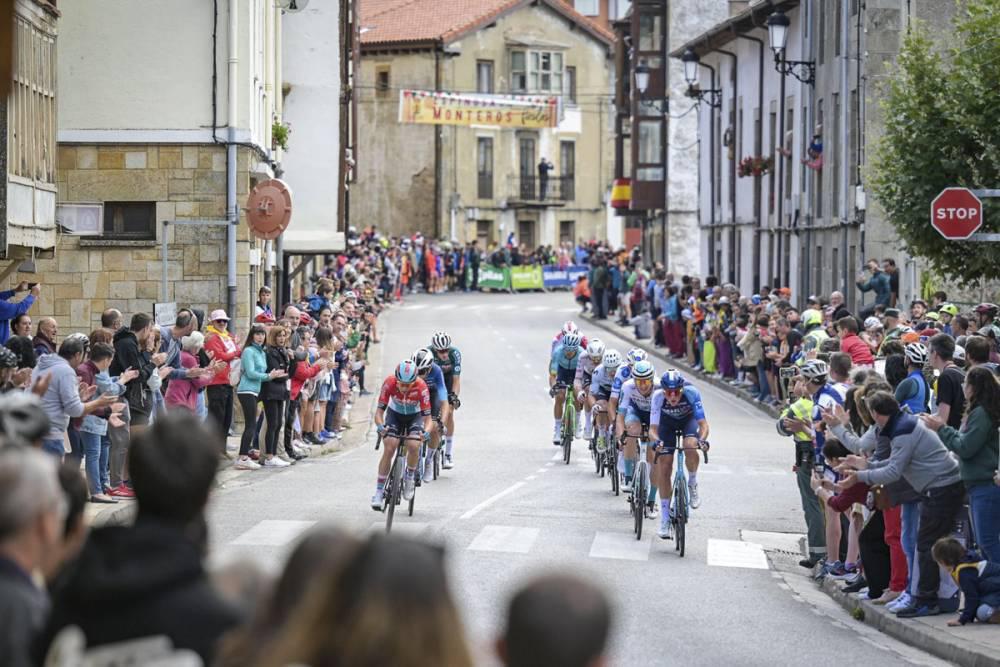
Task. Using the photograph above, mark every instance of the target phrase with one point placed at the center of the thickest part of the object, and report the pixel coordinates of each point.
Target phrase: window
(130, 220)
(773, 131)
(818, 269)
(567, 164)
(567, 231)
(484, 76)
(484, 232)
(588, 7)
(650, 32)
(526, 233)
(839, 27)
(31, 106)
(787, 147)
(383, 83)
(571, 85)
(485, 167)
(536, 72)
(650, 150)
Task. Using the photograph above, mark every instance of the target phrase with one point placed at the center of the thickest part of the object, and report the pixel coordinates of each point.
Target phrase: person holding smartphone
(9, 311)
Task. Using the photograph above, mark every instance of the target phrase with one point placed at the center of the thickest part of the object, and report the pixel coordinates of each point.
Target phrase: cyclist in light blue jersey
(562, 368)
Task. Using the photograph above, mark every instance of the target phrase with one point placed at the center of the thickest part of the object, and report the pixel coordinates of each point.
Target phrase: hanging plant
(754, 166)
(279, 136)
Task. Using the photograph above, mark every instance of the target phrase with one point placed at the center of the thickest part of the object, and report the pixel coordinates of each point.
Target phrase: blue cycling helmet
(643, 370)
(406, 371)
(571, 341)
(672, 380)
(634, 356)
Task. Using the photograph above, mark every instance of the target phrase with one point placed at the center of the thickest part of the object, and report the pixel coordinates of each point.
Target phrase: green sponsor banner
(491, 277)
(526, 277)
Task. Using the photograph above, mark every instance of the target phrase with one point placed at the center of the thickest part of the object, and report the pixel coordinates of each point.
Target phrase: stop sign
(956, 213)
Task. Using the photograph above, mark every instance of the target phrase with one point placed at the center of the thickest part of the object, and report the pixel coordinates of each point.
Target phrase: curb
(940, 643)
(625, 332)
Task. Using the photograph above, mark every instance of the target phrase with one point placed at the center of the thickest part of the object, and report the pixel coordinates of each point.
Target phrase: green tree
(942, 128)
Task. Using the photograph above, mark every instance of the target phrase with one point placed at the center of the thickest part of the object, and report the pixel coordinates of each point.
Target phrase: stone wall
(186, 182)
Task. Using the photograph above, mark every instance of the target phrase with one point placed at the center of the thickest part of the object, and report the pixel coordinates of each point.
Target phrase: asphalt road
(509, 509)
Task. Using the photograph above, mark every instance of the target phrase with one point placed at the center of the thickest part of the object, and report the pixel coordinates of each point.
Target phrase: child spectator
(978, 579)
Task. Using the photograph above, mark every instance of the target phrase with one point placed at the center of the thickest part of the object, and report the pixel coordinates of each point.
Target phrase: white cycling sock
(586, 420)
(448, 444)
(665, 507)
(692, 478)
(558, 423)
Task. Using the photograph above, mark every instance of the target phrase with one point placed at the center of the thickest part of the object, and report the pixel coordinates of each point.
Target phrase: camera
(818, 466)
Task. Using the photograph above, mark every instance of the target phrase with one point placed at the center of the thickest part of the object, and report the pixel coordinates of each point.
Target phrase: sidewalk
(975, 645)
(359, 420)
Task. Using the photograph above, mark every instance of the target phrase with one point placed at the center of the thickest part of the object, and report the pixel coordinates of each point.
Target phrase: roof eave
(751, 18)
(401, 45)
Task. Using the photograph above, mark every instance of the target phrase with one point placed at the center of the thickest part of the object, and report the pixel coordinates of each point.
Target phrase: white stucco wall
(311, 67)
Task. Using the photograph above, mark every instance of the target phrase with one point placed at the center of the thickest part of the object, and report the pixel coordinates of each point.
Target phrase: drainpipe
(734, 77)
(808, 93)
(759, 138)
(845, 129)
(232, 212)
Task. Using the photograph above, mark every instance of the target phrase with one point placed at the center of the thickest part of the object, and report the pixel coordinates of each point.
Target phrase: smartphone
(32, 285)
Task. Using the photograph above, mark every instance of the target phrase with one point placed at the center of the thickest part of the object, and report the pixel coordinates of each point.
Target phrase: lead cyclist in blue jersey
(562, 369)
(600, 392)
(676, 408)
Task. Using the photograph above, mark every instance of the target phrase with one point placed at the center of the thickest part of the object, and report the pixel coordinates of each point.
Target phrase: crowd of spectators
(894, 414)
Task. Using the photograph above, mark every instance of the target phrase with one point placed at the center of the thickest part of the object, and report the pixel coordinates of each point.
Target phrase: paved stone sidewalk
(974, 645)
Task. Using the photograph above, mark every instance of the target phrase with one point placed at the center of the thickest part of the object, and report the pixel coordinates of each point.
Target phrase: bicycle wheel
(437, 462)
(412, 500)
(639, 492)
(396, 479)
(680, 514)
(612, 466)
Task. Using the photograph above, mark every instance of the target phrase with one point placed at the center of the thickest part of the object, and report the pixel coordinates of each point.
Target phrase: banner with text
(526, 277)
(553, 276)
(429, 107)
(491, 277)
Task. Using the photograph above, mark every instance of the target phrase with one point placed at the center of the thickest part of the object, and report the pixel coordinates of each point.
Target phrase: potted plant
(755, 166)
(279, 136)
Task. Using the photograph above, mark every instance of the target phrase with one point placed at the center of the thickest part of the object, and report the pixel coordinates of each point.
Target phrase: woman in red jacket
(308, 367)
(220, 346)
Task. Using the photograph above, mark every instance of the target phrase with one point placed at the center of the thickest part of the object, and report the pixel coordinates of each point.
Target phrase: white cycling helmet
(916, 353)
(643, 370)
(423, 359)
(635, 355)
(569, 326)
(571, 340)
(440, 341)
(612, 360)
(595, 349)
(815, 369)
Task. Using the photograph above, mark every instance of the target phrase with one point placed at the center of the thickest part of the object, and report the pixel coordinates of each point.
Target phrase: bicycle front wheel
(639, 492)
(396, 479)
(612, 466)
(680, 515)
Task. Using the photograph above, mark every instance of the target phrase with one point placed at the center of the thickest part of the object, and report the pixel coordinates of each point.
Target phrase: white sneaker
(377, 500)
(300, 451)
(557, 434)
(666, 531)
(448, 463)
(409, 488)
(693, 495)
(652, 511)
(276, 462)
(246, 463)
(626, 486)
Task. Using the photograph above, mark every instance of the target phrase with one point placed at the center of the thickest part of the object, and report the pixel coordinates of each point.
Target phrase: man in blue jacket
(9, 311)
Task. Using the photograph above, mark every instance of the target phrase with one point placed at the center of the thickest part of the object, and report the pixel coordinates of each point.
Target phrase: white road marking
(766, 471)
(273, 533)
(530, 477)
(508, 306)
(734, 553)
(537, 309)
(416, 306)
(507, 539)
(492, 499)
(619, 546)
(542, 470)
(552, 463)
(558, 456)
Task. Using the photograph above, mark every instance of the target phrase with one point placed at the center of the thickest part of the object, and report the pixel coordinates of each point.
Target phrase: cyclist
(600, 392)
(404, 409)
(676, 408)
(581, 383)
(633, 415)
(569, 326)
(632, 357)
(432, 376)
(450, 361)
(562, 372)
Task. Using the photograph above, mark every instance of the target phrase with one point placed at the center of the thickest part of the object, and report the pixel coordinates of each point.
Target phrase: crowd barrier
(523, 278)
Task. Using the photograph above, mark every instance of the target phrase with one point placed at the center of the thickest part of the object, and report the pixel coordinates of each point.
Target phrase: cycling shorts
(436, 409)
(398, 424)
(587, 377)
(602, 394)
(636, 416)
(565, 375)
(669, 428)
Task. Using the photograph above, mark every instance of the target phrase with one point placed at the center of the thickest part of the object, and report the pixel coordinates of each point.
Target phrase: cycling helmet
(989, 309)
(959, 353)
(79, 338)
(672, 380)
(916, 353)
(571, 340)
(811, 317)
(406, 371)
(440, 341)
(643, 370)
(423, 359)
(931, 315)
(22, 420)
(570, 327)
(873, 323)
(612, 360)
(635, 355)
(596, 350)
(7, 359)
(949, 309)
(990, 331)
(815, 369)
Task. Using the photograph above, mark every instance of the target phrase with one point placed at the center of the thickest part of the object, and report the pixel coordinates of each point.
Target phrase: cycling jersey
(621, 377)
(452, 365)
(435, 384)
(600, 383)
(633, 404)
(416, 399)
(564, 367)
(558, 339)
(688, 407)
(585, 370)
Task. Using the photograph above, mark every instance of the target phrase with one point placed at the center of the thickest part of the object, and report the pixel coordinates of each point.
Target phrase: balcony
(528, 191)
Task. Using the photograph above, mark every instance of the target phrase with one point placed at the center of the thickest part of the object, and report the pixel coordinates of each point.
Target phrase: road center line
(492, 499)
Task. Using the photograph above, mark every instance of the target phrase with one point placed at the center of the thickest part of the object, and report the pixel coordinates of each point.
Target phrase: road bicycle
(681, 503)
(568, 419)
(596, 438)
(641, 479)
(392, 494)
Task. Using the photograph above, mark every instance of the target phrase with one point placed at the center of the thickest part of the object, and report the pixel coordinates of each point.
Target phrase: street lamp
(712, 96)
(777, 32)
(642, 77)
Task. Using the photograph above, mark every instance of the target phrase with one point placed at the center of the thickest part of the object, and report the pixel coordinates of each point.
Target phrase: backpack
(235, 371)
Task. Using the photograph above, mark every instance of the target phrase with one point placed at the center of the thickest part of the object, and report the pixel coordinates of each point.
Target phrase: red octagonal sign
(956, 213)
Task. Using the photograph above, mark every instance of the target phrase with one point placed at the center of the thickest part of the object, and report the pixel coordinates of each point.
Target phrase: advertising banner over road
(525, 277)
(428, 107)
(553, 276)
